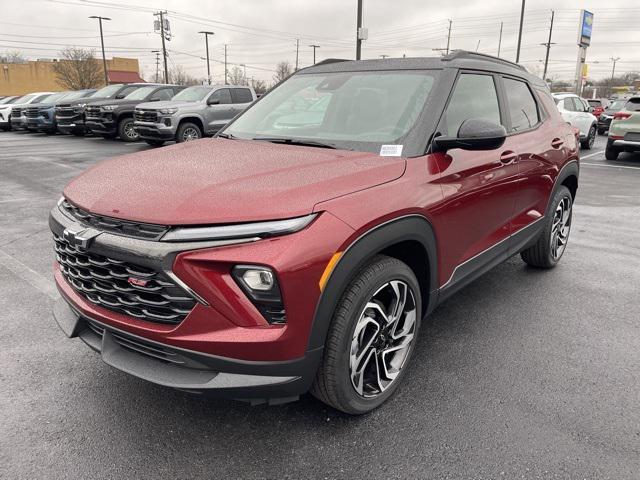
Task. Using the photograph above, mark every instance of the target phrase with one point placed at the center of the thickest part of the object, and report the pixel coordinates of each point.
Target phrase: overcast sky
(262, 33)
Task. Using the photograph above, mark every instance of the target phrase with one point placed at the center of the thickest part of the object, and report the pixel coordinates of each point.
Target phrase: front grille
(92, 111)
(123, 287)
(137, 346)
(16, 112)
(146, 231)
(145, 116)
(65, 112)
(31, 112)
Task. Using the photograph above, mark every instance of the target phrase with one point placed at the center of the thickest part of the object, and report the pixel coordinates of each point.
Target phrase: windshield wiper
(296, 141)
(229, 136)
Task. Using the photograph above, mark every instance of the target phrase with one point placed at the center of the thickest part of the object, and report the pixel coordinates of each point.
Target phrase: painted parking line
(591, 155)
(45, 285)
(608, 166)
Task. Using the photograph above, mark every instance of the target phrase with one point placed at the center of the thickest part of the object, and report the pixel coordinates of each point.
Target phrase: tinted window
(164, 94)
(522, 106)
(633, 105)
(595, 103)
(241, 95)
(474, 97)
(223, 96)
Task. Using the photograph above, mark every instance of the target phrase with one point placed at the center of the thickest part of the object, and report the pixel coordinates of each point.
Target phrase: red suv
(301, 249)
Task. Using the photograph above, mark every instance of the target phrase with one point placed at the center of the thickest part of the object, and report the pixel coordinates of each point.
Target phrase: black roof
(456, 59)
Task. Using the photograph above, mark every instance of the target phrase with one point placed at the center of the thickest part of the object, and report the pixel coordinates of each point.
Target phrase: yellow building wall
(23, 78)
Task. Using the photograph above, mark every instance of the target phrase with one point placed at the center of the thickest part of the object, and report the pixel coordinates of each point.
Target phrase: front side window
(348, 110)
(222, 96)
(569, 105)
(475, 96)
(522, 106)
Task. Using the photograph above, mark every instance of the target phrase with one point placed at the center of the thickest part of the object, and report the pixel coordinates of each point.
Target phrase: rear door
(479, 187)
(241, 98)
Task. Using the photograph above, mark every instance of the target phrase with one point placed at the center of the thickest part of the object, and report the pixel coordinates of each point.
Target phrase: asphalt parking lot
(524, 374)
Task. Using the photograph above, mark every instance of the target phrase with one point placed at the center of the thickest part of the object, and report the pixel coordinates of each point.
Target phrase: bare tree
(179, 76)
(283, 70)
(13, 57)
(260, 86)
(78, 69)
(236, 76)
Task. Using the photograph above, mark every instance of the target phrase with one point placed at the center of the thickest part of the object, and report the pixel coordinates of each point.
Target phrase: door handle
(508, 157)
(556, 143)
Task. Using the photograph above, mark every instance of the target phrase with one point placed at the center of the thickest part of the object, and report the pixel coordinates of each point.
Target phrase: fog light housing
(261, 286)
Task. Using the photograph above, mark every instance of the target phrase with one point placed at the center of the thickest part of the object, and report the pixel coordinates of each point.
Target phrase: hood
(40, 105)
(166, 104)
(217, 181)
(112, 101)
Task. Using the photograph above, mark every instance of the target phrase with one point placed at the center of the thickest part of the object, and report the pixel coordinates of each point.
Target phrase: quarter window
(475, 97)
(522, 106)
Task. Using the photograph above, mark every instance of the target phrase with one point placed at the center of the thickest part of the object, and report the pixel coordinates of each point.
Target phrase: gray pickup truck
(193, 113)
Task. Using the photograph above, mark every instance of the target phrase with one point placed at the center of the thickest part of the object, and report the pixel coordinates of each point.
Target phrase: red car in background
(272, 260)
(597, 105)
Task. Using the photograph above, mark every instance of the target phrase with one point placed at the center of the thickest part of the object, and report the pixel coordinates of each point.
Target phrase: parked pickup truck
(70, 115)
(114, 118)
(193, 113)
(41, 117)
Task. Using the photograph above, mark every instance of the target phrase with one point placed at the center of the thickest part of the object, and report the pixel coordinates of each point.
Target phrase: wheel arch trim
(412, 227)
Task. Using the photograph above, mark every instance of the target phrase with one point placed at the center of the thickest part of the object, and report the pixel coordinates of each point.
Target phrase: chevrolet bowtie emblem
(80, 239)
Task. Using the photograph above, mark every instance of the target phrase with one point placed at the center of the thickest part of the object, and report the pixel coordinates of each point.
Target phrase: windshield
(75, 95)
(348, 110)
(25, 99)
(140, 93)
(107, 92)
(594, 103)
(617, 105)
(55, 97)
(4, 101)
(192, 94)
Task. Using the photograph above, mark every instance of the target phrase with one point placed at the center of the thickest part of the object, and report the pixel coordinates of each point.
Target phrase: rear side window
(633, 105)
(522, 106)
(223, 96)
(475, 97)
(570, 105)
(241, 95)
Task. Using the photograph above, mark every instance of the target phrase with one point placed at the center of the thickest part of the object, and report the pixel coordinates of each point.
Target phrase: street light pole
(358, 28)
(104, 58)
(520, 31)
(206, 42)
(613, 70)
(548, 45)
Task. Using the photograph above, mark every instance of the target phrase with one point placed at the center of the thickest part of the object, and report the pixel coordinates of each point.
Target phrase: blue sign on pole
(586, 28)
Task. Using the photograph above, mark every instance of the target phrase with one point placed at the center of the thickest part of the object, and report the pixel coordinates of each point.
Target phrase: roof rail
(456, 54)
(327, 61)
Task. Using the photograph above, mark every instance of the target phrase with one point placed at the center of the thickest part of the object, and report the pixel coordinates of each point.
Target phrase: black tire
(6, 128)
(540, 254)
(587, 143)
(333, 384)
(610, 152)
(601, 131)
(188, 131)
(126, 132)
(155, 143)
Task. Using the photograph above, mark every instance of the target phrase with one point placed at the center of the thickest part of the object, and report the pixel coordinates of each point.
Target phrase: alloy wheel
(592, 136)
(560, 228)
(382, 338)
(129, 131)
(189, 134)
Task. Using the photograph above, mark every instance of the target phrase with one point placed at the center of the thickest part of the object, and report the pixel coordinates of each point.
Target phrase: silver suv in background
(193, 113)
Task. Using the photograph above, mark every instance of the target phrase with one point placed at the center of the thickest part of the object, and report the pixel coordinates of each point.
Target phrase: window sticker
(391, 151)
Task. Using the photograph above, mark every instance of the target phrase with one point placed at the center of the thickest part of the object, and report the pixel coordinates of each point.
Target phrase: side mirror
(473, 134)
(119, 96)
(213, 101)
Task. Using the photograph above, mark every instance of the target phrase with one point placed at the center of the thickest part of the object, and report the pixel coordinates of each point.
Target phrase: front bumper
(101, 125)
(256, 382)
(154, 131)
(19, 123)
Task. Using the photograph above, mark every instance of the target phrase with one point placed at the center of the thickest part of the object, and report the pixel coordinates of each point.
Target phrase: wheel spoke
(375, 306)
(357, 376)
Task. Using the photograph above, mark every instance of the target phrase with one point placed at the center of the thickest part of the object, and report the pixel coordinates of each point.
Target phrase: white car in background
(5, 110)
(577, 112)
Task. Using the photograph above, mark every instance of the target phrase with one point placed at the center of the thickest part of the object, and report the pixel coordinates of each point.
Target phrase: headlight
(109, 108)
(245, 230)
(168, 111)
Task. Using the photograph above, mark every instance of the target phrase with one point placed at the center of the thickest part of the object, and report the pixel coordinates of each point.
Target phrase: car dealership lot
(503, 385)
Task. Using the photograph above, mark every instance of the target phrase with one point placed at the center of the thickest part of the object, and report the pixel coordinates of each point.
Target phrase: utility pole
(297, 52)
(613, 70)
(244, 75)
(548, 45)
(314, 52)
(157, 52)
(206, 42)
(104, 58)
(225, 64)
(161, 14)
(449, 37)
(520, 32)
(500, 38)
(359, 31)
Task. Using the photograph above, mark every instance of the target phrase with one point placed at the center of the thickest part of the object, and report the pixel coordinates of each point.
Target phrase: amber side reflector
(328, 269)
